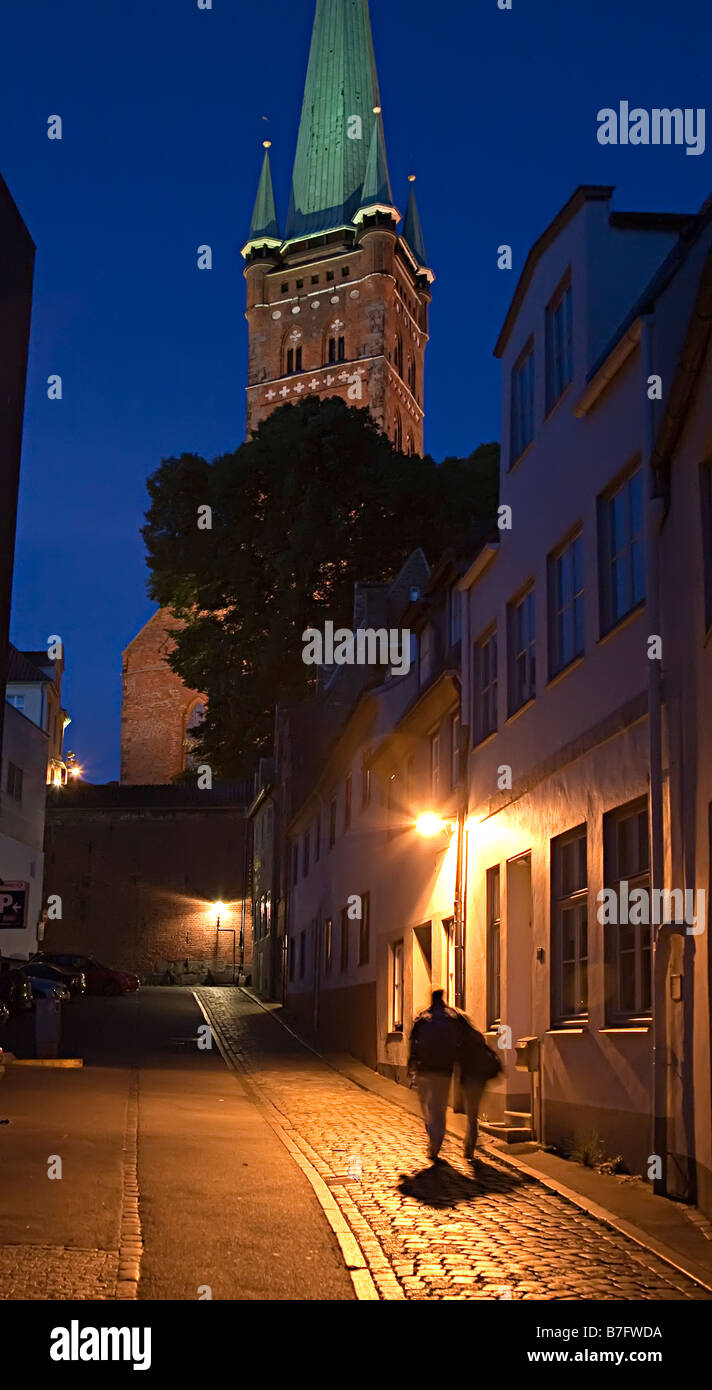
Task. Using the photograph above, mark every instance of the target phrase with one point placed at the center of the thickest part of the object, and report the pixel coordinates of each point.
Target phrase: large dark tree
(316, 500)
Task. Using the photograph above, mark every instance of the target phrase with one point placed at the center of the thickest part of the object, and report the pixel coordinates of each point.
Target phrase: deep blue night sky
(162, 107)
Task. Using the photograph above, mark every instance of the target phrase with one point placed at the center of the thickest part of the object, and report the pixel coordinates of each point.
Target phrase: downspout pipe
(654, 519)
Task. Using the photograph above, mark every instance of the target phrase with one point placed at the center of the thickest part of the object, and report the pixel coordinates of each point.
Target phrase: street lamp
(429, 825)
(218, 908)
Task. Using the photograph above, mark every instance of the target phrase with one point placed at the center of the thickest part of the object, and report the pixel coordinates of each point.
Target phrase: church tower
(337, 303)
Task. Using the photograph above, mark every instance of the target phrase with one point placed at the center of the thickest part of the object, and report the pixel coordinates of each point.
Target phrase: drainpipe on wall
(654, 517)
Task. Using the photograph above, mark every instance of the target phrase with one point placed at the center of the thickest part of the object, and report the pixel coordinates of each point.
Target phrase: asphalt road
(222, 1203)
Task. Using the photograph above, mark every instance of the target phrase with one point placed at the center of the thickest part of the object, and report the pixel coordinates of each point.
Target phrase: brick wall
(155, 707)
(138, 877)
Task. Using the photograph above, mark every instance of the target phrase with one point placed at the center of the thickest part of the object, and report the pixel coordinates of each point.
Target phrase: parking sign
(13, 906)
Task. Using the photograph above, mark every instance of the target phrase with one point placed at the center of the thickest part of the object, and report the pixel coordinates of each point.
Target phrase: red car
(101, 979)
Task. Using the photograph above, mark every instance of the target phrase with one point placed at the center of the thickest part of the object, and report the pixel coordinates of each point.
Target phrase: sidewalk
(438, 1233)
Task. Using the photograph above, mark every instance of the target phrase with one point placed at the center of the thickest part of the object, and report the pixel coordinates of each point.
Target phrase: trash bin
(48, 1027)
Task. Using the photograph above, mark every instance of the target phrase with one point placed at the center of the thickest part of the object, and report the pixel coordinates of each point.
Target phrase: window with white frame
(484, 687)
(522, 412)
(494, 1002)
(628, 942)
(622, 542)
(522, 651)
(566, 605)
(397, 987)
(569, 925)
(17, 702)
(559, 345)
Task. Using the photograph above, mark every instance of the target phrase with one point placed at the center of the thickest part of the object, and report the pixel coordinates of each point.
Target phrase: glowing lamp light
(219, 907)
(430, 825)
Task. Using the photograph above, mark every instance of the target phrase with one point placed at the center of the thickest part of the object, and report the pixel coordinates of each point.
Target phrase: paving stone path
(432, 1233)
(56, 1272)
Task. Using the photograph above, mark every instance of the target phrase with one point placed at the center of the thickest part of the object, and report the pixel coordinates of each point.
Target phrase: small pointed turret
(264, 228)
(413, 231)
(377, 195)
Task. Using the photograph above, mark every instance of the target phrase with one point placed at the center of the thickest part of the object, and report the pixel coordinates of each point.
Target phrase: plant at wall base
(588, 1149)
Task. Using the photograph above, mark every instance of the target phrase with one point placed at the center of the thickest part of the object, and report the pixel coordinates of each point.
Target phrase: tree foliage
(315, 500)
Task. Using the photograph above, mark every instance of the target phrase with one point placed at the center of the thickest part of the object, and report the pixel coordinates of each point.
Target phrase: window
(484, 687)
(455, 615)
(302, 953)
(285, 288)
(365, 784)
(344, 939)
(17, 701)
(455, 750)
(345, 270)
(435, 767)
(364, 935)
(522, 423)
(522, 652)
(494, 1005)
(300, 284)
(706, 513)
(14, 781)
(559, 345)
(569, 926)
(566, 634)
(426, 655)
(628, 947)
(398, 432)
(398, 358)
(412, 375)
(317, 839)
(307, 846)
(332, 824)
(328, 945)
(294, 360)
(342, 349)
(347, 802)
(315, 279)
(329, 274)
(397, 987)
(332, 351)
(621, 523)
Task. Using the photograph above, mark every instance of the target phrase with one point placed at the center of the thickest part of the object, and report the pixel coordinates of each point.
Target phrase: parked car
(48, 989)
(4, 1016)
(15, 989)
(75, 980)
(101, 979)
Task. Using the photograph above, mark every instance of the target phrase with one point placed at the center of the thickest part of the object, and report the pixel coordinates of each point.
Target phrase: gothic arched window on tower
(412, 380)
(399, 355)
(294, 360)
(336, 350)
(398, 433)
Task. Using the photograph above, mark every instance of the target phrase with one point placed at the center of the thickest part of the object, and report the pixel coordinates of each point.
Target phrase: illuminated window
(569, 924)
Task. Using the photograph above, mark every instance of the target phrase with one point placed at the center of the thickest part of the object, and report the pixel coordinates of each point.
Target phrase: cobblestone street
(432, 1233)
(48, 1272)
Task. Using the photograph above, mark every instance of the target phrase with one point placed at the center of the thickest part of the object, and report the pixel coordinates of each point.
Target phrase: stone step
(506, 1133)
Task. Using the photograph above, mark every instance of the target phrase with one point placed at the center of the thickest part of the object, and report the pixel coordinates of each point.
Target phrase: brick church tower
(337, 305)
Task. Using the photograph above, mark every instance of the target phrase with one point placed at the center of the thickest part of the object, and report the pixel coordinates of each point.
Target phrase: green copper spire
(412, 230)
(264, 229)
(336, 128)
(376, 193)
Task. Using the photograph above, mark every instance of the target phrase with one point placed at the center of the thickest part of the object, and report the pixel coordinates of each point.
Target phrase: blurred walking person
(477, 1064)
(433, 1052)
